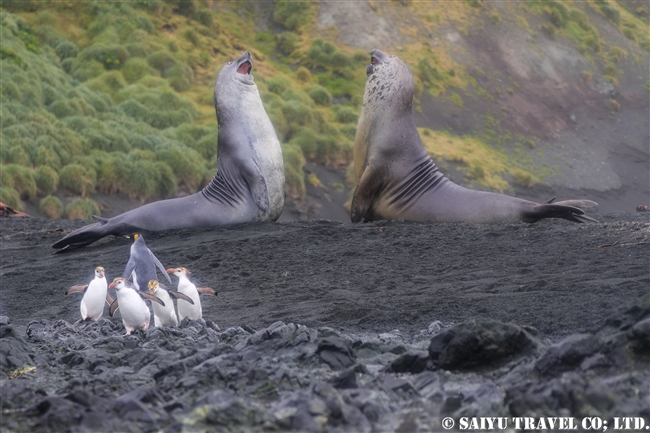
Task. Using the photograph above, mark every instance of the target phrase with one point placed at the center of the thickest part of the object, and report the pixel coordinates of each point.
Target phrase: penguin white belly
(134, 311)
(134, 278)
(164, 316)
(92, 303)
(185, 309)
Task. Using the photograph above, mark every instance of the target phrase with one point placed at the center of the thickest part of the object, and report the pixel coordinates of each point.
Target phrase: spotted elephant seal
(247, 187)
(398, 179)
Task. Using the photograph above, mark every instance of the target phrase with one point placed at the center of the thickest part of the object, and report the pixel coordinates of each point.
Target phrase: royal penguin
(165, 315)
(134, 311)
(186, 287)
(95, 294)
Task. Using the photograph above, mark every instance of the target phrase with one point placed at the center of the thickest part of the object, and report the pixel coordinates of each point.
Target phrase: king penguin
(142, 264)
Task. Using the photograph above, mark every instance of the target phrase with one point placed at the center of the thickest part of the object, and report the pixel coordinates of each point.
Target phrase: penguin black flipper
(207, 291)
(130, 267)
(151, 297)
(179, 295)
(113, 309)
(160, 266)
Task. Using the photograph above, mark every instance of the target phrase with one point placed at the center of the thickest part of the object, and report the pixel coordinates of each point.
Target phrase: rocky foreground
(89, 377)
(319, 326)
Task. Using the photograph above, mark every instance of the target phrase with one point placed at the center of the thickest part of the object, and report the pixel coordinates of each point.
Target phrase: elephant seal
(398, 179)
(247, 187)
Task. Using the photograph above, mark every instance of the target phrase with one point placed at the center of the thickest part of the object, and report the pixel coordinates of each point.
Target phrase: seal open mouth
(374, 61)
(245, 68)
(376, 58)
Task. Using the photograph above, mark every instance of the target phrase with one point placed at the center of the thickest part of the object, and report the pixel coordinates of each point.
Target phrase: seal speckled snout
(377, 57)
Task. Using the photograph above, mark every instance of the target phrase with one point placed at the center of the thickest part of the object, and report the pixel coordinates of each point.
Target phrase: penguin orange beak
(171, 271)
(101, 274)
(112, 285)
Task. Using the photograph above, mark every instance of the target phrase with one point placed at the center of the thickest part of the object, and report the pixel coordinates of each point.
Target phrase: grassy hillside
(117, 97)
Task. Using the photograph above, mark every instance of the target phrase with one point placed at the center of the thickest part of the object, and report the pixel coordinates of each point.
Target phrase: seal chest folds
(249, 182)
(398, 179)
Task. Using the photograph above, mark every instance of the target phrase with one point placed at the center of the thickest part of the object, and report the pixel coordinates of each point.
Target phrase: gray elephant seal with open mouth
(247, 187)
(398, 179)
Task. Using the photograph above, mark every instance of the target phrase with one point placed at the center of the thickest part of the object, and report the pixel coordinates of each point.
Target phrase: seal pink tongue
(244, 68)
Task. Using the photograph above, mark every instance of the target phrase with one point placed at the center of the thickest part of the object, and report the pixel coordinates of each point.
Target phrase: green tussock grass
(481, 163)
(124, 89)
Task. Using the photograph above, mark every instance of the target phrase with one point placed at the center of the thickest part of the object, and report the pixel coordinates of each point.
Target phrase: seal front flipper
(256, 184)
(261, 194)
(369, 187)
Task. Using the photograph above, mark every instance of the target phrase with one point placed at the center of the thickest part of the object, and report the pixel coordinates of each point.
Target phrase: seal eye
(245, 68)
(229, 63)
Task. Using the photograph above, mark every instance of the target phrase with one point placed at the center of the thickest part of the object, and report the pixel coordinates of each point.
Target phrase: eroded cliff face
(576, 107)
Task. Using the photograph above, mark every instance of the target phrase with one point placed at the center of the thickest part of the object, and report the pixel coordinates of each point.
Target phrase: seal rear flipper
(368, 188)
(179, 295)
(581, 204)
(555, 210)
(89, 234)
(109, 299)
